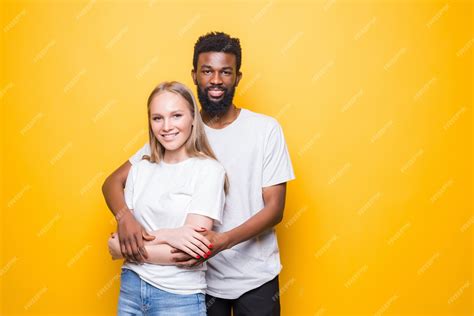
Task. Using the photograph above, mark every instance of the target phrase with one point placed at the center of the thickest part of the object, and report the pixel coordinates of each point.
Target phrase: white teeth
(170, 135)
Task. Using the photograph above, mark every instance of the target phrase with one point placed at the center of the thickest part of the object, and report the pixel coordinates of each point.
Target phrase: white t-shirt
(253, 151)
(161, 195)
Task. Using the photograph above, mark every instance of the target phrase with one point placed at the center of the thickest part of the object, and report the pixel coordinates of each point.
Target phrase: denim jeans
(140, 298)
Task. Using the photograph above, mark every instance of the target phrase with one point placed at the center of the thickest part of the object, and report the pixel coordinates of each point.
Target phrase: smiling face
(171, 121)
(216, 78)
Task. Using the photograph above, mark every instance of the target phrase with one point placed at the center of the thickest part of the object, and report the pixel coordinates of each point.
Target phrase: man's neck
(218, 122)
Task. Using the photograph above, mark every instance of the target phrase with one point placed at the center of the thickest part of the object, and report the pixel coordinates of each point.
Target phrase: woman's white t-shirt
(161, 195)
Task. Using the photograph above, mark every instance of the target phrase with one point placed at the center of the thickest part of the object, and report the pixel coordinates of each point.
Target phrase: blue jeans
(140, 298)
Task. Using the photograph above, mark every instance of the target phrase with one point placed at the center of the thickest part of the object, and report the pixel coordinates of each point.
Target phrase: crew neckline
(177, 163)
(242, 110)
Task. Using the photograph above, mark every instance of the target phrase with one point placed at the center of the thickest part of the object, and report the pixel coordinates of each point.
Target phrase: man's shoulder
(260, 119)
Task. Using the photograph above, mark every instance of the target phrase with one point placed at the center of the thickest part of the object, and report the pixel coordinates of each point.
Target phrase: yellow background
(375, 98)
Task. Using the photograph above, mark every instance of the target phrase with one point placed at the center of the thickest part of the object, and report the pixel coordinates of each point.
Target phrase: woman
(176, 191)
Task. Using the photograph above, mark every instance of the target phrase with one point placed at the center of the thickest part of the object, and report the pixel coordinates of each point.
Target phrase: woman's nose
(166, 125)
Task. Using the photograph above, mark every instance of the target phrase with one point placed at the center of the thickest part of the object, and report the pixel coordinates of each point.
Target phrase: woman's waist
(171, 278)
(166, 272)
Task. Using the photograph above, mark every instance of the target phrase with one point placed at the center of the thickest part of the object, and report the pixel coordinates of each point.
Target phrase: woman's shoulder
(143, 162)
(142, 165)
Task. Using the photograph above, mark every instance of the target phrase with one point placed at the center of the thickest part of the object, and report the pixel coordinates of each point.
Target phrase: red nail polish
(208, 253)
(197, 257)
(210, 246)
(205, 256)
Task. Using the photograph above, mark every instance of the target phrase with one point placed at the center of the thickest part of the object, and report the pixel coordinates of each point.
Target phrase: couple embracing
(202, 197)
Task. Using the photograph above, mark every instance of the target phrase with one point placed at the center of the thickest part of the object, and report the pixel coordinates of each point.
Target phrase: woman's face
(171, 120)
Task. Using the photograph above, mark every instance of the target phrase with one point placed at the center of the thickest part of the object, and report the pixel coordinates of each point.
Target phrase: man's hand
(131, 235)
(219, 241)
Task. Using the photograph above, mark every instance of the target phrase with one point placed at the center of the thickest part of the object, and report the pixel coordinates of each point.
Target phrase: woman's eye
(177, 115)
(156, 118)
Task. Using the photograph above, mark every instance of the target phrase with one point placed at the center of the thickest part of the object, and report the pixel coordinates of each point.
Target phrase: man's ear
(193, 75)
(237, 79)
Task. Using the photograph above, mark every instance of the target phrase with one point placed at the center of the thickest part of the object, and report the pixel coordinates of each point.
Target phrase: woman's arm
(160, 250)
(157, 253)
(187, 238)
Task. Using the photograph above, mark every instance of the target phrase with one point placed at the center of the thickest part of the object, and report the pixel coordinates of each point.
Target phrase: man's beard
(215, 108)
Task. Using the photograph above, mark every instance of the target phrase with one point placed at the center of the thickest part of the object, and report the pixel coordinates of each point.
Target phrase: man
(243, 272)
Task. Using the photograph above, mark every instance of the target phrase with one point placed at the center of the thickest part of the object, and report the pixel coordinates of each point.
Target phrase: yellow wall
(375, 98)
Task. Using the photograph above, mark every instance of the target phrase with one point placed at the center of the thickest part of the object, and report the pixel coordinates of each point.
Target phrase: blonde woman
(175, 192)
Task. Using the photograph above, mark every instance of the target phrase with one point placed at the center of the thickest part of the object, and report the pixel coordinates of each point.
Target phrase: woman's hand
(220, 242)
(114, 247)
(188, 239)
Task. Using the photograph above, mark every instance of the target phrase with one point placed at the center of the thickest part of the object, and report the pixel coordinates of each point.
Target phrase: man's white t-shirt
(161, 195)
(253, 151)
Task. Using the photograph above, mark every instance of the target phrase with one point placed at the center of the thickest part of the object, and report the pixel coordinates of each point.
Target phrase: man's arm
(131, 233)
(269, 216)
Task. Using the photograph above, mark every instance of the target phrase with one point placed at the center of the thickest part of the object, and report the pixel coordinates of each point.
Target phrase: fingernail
(208, 253)
(210, 246)
(197, 257)
(205, 256)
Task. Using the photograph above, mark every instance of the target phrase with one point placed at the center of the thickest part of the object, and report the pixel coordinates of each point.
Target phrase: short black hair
(218, 42)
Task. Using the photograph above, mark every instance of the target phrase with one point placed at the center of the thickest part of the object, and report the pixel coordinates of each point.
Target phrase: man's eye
(227, 73)
(206, 72)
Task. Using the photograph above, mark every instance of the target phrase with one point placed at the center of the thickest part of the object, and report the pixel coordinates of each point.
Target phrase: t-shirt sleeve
(209, 197)
(137, 157)
(277, 166)
(129, 187)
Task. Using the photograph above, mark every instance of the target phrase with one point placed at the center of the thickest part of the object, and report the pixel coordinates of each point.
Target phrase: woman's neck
(175, 156)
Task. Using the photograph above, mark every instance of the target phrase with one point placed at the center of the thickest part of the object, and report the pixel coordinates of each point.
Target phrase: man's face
(216, 77)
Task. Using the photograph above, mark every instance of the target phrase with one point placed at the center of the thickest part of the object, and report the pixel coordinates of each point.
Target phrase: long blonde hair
(197, 144)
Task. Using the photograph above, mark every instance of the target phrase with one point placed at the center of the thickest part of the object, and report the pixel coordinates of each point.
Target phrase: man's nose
(216, 78)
